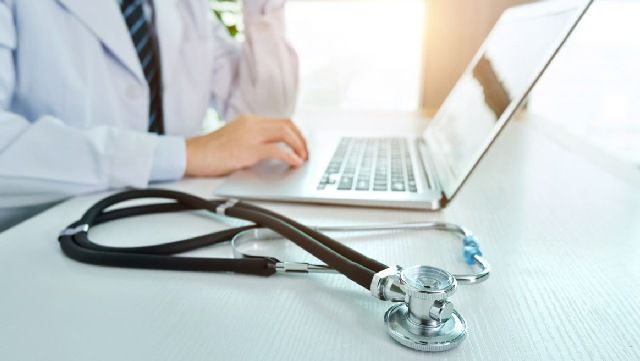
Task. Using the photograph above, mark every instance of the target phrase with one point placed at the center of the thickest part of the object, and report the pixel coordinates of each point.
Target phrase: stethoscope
(423, 317)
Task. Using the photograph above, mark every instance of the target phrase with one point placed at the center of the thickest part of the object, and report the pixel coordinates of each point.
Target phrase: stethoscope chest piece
(426, 321)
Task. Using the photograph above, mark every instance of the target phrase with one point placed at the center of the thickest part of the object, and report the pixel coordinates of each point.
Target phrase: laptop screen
(512, 57)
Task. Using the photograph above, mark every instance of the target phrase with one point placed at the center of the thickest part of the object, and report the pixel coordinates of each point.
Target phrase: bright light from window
(593, 87)
(358, 54)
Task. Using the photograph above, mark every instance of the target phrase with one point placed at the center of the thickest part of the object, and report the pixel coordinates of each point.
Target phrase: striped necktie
(143, 41)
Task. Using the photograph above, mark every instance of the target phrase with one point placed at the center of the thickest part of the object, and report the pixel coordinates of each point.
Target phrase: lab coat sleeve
(169, 160)
(44, 160)
(260, 75)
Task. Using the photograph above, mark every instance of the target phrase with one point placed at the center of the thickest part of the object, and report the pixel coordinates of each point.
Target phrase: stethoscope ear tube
(339, 247)
(351, 269)
(256, 266)
(77, 245)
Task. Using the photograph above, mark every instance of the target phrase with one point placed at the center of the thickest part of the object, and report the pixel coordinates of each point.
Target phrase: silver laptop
(426, 170)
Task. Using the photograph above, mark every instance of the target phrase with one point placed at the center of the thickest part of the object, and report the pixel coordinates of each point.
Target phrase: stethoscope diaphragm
(426, 321)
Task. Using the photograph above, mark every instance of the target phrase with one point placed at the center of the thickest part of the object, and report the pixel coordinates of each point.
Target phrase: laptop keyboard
(370, 164)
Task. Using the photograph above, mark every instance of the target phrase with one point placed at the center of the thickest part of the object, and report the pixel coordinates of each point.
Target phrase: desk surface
(563, 236)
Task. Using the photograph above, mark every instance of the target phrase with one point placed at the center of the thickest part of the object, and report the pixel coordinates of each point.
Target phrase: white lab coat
(74, 101)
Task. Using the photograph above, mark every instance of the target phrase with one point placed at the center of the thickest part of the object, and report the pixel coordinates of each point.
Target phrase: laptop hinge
(429, 170)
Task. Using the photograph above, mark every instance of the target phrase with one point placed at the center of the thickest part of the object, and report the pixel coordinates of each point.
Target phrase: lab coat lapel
(169, 28)
(105, 20)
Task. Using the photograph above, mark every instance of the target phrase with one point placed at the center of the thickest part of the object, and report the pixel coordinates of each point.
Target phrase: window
(592, 90)
(357, 54)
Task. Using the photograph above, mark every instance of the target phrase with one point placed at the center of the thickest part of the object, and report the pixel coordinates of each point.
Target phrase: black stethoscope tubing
(78, 246)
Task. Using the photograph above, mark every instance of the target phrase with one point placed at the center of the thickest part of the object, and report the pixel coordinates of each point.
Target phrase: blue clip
(471, 249)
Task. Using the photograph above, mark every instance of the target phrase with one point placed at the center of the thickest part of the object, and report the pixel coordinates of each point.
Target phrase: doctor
(105, 94)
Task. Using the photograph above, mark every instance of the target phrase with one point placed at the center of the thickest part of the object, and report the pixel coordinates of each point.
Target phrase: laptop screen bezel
(450, 184)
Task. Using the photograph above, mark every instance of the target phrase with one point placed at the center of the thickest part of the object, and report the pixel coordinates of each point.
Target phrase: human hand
(244, 142)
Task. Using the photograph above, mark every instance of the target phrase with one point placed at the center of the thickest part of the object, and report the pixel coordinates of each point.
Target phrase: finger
(302, 137)
(279, 131)
(300, 146)
(275, 151)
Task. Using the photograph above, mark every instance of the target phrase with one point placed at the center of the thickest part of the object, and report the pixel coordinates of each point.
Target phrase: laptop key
(397, 187)
(362, 186)
(413, 186)
(345, 183)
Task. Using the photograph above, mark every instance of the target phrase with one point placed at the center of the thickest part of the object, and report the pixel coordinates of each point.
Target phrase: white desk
(563, 236)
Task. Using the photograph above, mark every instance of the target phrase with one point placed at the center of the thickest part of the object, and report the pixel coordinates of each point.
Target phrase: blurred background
(405, 55)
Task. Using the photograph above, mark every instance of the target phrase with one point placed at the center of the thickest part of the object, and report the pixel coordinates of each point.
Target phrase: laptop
(426, 170)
